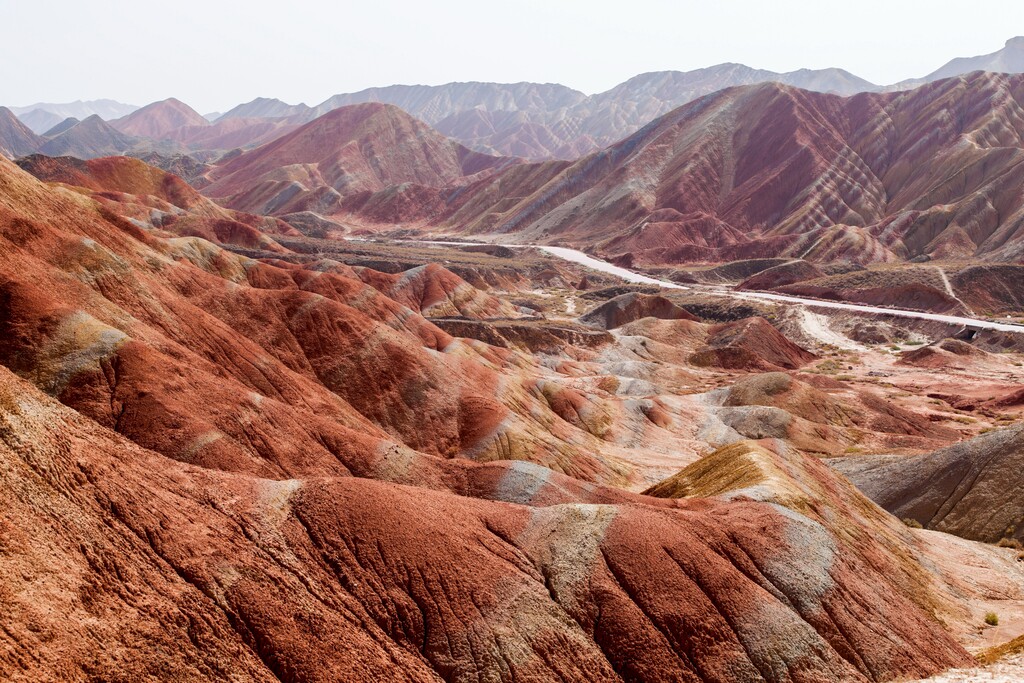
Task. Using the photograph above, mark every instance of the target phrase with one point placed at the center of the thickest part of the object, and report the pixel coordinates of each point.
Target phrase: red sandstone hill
(436, 292)
(627, 308)
(371, 159)
(750, 344)
(159, 119)
(159, 200)
(770, 170)
(229, 134)
(217, 467)
(115, 174)
(268, 323)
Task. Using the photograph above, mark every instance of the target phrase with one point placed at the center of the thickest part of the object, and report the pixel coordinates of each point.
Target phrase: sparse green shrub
(1010, 543)
(992, 619)
(912, 523)
(828, 367)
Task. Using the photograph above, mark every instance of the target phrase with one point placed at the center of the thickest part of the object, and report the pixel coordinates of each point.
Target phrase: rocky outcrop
(632, 306)
(437, 292)
(535, 336)
(157, 200)
(776, 405)
(969, 489)
(947, 353)
(750, 344)
(921, 288)
(781, 275)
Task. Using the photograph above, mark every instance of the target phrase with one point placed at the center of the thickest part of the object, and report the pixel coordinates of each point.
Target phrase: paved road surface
(582, 259)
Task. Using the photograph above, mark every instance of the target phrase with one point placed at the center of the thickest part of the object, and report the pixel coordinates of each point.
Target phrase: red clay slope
(125, 175)
(770, 170)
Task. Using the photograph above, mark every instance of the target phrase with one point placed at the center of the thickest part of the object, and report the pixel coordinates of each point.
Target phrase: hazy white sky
(214, 54)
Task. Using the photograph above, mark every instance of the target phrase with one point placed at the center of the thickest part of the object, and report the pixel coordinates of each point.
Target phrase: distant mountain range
(42, 116)
(16, 139)
(1009, 60)
(532, 121)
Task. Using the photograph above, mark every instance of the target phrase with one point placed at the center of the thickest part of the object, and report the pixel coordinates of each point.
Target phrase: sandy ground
(818, 327)
(631, 276)
(1009, 670)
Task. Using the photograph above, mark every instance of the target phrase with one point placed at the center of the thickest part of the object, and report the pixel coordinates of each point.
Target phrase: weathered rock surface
(969, 489)
(218, 467)
(750, 344)
(195, 574)
(783, 274)
(157, 200)
(627, 308)
(436, 292)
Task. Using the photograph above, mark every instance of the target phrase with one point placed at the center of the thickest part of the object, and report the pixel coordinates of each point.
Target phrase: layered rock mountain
(41, 120)
(61, 127)
(770, 170)
(159, 119)
(967, 489)
(87, 139)
(372, 159)
(266, 108)
(544, 121)
(534, 121)
(44, 115)
(15, 137)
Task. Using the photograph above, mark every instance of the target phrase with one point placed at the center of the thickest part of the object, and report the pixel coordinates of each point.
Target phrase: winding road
(578, 257)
